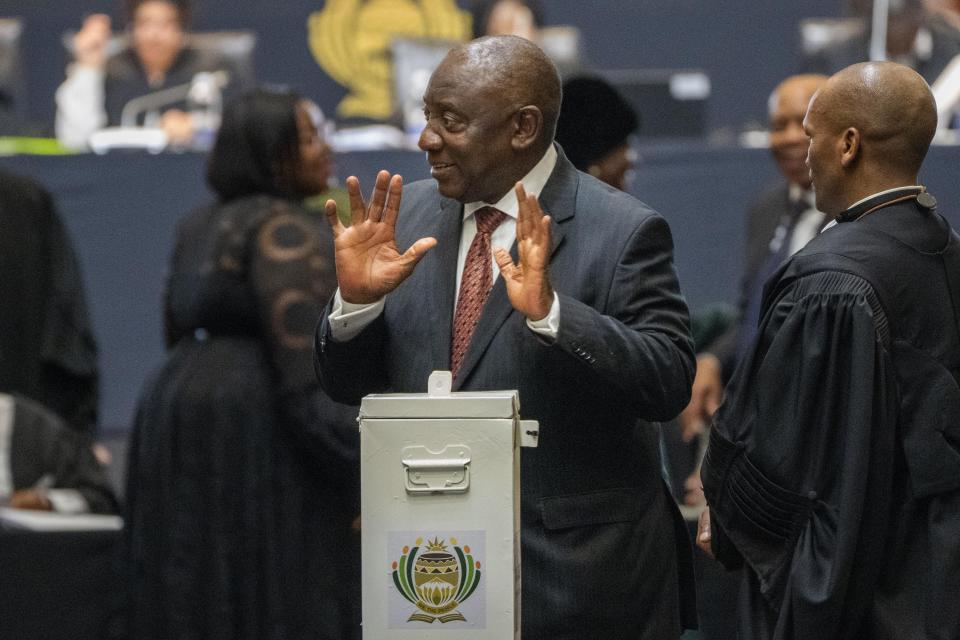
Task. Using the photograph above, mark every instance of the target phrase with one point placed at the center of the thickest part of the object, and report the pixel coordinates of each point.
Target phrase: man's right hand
(90, 43)
(369, 264)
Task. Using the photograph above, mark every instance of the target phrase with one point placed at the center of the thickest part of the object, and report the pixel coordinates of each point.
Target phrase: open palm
(369, 264)
(528, 281)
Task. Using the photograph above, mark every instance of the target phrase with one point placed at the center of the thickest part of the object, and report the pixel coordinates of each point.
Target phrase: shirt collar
(798, 193)
(533, 182)
(882, 193)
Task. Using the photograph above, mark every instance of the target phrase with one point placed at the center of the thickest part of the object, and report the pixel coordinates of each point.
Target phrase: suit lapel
(557, 199)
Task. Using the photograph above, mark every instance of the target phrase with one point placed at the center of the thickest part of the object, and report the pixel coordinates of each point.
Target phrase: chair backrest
(816, 34)
(671, 103)
(236, 47)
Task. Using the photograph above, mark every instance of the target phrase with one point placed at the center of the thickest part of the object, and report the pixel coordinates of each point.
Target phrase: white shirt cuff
(67, 501)
(347, 319)
(549, 325)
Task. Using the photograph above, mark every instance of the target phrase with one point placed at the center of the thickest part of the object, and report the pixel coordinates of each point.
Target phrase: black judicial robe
(833, 471)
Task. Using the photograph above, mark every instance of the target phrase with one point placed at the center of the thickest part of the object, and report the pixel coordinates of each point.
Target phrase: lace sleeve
(293, 276)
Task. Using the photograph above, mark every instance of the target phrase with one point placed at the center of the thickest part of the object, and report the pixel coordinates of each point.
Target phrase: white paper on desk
(47, 521)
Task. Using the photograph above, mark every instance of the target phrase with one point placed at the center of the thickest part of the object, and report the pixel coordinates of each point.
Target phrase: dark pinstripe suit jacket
(600, 550)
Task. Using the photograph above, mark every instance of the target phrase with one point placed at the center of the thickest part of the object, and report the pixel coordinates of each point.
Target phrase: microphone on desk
(203, 90)
(204, 83)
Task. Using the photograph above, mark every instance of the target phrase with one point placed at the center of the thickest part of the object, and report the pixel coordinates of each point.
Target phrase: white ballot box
(440, 478)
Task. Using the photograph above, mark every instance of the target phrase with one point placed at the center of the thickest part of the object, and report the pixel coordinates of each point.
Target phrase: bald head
(802, 85)
(516, 68)
(788, 142)
(891, 107)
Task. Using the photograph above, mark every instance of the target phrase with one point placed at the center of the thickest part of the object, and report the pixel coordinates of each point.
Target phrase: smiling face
(312, 170)
(469, 133)
(788, 142)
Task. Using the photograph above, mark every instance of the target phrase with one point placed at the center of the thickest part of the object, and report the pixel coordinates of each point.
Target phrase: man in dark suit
(583, 317)
(781, 221)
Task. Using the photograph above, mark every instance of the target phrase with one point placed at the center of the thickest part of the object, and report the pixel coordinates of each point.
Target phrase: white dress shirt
(809, 223)
(347, 320)
(80, 110)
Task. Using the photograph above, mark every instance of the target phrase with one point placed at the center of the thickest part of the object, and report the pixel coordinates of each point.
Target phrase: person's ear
(527, 127)
(849, 146)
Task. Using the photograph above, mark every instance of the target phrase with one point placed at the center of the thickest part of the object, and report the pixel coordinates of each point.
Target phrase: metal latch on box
(445, 471)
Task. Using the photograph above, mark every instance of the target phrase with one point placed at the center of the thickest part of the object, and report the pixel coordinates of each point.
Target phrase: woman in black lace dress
(243, 476)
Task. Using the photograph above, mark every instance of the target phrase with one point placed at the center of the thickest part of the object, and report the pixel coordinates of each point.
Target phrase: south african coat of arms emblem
(350, 39)
(436, 580)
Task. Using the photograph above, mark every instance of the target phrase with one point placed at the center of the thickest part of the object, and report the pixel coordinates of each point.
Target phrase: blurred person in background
(507, 18)
(47, 466)
(157, 57)
(243, 480)
(594, 129)
(917, 36)
(778, 224)
(47, 348)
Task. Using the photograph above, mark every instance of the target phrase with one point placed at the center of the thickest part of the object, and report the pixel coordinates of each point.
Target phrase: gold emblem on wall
(350, 39)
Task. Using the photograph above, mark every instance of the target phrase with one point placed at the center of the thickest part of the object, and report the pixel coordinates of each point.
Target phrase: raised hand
(369, 264)
(528, 281)
(90, 43)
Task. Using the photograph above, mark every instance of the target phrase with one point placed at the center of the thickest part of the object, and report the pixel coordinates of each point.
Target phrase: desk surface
(122, 209)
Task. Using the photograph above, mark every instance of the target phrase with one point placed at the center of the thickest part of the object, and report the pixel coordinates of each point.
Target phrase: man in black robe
(833, 472)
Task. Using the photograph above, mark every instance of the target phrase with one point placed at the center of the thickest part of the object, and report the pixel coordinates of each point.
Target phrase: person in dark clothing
(47, 348)
(243, 478)
(833, 470)
(594, 129)
(47, 466)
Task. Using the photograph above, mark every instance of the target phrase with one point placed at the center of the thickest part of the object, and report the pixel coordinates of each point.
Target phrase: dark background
(746, 46)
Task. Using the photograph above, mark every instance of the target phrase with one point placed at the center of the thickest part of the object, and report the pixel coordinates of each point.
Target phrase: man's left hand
(528, 281)
(703, 533)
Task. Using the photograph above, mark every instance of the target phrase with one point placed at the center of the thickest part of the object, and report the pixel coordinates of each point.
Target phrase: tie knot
(488, 219)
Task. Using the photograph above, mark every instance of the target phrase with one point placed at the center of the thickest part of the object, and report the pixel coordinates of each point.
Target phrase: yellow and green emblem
(350, 39)
(436, 581)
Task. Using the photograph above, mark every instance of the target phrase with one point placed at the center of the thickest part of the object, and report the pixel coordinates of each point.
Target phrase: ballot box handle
(444, 471)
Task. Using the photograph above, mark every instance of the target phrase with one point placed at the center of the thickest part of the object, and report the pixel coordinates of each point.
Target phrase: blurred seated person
(594, 129)
(243, 477)
(525, 18)
(917, 37)
(507, 18)
(158, 57)
(47, 348)
(47, 466)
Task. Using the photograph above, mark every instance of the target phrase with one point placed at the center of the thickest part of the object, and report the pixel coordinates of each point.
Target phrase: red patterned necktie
(475, 284)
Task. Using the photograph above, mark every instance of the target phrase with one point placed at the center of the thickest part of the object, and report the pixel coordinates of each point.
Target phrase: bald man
(833, 471)
(583, 316)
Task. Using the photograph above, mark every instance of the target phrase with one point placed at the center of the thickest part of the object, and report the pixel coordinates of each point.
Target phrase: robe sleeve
(800, 463)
